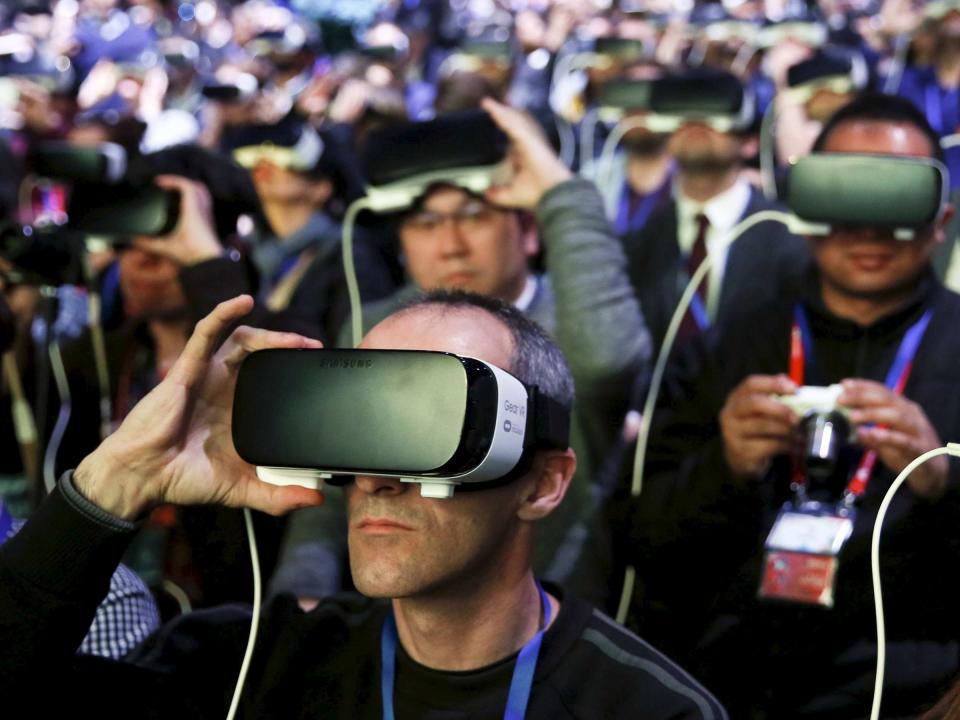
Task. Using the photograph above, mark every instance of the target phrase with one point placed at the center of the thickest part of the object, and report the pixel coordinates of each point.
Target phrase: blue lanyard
(699, 312)
(520, 684)
(6, 522)
(697, 309)
(903, 361)
(896, 381)
(625, 221)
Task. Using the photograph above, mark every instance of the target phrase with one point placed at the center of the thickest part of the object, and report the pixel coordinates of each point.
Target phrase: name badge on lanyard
(802, 550)
(803, 547)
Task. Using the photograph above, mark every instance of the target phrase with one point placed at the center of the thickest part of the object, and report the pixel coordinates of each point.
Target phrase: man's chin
(704, 165)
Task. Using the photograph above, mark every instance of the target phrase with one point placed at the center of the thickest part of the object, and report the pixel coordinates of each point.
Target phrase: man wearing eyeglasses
(453, 239)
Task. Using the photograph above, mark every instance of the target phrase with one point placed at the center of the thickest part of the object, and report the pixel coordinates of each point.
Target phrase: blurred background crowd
(240, 130)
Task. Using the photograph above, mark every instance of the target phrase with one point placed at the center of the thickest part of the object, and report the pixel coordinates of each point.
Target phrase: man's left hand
(900, 432)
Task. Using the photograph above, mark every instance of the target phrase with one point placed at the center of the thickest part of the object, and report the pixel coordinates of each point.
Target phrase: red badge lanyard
(801, 342)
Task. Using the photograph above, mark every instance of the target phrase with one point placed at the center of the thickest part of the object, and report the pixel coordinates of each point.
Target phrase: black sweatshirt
(697, 534)
(322, 664)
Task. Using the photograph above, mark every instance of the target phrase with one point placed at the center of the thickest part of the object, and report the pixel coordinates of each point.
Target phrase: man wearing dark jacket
(710, 198)
(720, 470)
(468, 632)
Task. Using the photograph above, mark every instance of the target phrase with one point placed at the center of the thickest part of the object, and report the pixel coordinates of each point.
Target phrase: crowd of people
(622, 145)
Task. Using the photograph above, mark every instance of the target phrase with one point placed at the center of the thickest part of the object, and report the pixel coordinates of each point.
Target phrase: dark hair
(873, 107)
(536, 359)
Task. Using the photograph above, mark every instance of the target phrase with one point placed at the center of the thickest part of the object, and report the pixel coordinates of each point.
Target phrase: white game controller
(813, 398)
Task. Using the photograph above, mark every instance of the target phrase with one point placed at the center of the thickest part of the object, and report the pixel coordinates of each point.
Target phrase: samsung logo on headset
(347, 364)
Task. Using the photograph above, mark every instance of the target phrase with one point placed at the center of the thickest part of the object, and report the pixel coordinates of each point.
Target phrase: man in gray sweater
(454, 239)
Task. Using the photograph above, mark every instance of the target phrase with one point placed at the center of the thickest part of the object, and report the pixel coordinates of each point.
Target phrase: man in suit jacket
(710, 197)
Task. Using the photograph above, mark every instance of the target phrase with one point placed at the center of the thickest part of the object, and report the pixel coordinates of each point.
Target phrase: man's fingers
(893, 416)
(279, 499)
(762, 405)
(885, 439)
(246, 340)
(506, 118)
(764, 449)
(207, 334)
(763, 427)
(863, 393)
(767, 385)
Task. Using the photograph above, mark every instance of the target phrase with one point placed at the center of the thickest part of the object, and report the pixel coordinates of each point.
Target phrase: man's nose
(451, 238)
(379, 485)
(870, 233)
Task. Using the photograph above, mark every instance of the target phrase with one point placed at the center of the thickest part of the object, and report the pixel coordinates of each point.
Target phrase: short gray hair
(536, 359)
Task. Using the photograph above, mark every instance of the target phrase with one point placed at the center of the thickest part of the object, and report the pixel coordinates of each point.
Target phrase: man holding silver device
(776, 443)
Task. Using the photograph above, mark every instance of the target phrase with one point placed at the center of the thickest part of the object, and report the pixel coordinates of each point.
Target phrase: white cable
(656, 379)
(949, 141)
(179, 596)
(350, 270)
(605, 163)
(768, 152)
(63, 417)
(588, 136)
(901, 46)
(95, 324)
(744, 55)
(950, 449)
(568, 141)
(254, 621)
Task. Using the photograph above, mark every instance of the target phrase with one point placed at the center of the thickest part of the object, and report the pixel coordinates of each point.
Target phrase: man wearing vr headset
(459, 569)
(454, 239)
(727, 480)
(710, 198)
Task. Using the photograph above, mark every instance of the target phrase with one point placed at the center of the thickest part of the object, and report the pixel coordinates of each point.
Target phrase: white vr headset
(436, 419)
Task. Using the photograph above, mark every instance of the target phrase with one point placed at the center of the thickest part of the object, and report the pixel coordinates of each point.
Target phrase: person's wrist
(553, 176)
(930, 482)
(110, 484)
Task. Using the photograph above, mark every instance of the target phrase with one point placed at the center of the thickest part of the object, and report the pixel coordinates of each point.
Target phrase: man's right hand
(755, 426)
(176, 445)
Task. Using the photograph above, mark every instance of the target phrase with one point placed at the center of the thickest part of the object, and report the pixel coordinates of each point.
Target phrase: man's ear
(553, 472)
(943, 222)
(320, 192)
(529, 235)
(749, 146)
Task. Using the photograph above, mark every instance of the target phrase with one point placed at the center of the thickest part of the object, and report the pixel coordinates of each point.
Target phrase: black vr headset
(715, 98)
(433, 418)
(902, 193)
(832, 71)
(403, 160)
(608, 49)
(618, 97)
(104, 201)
